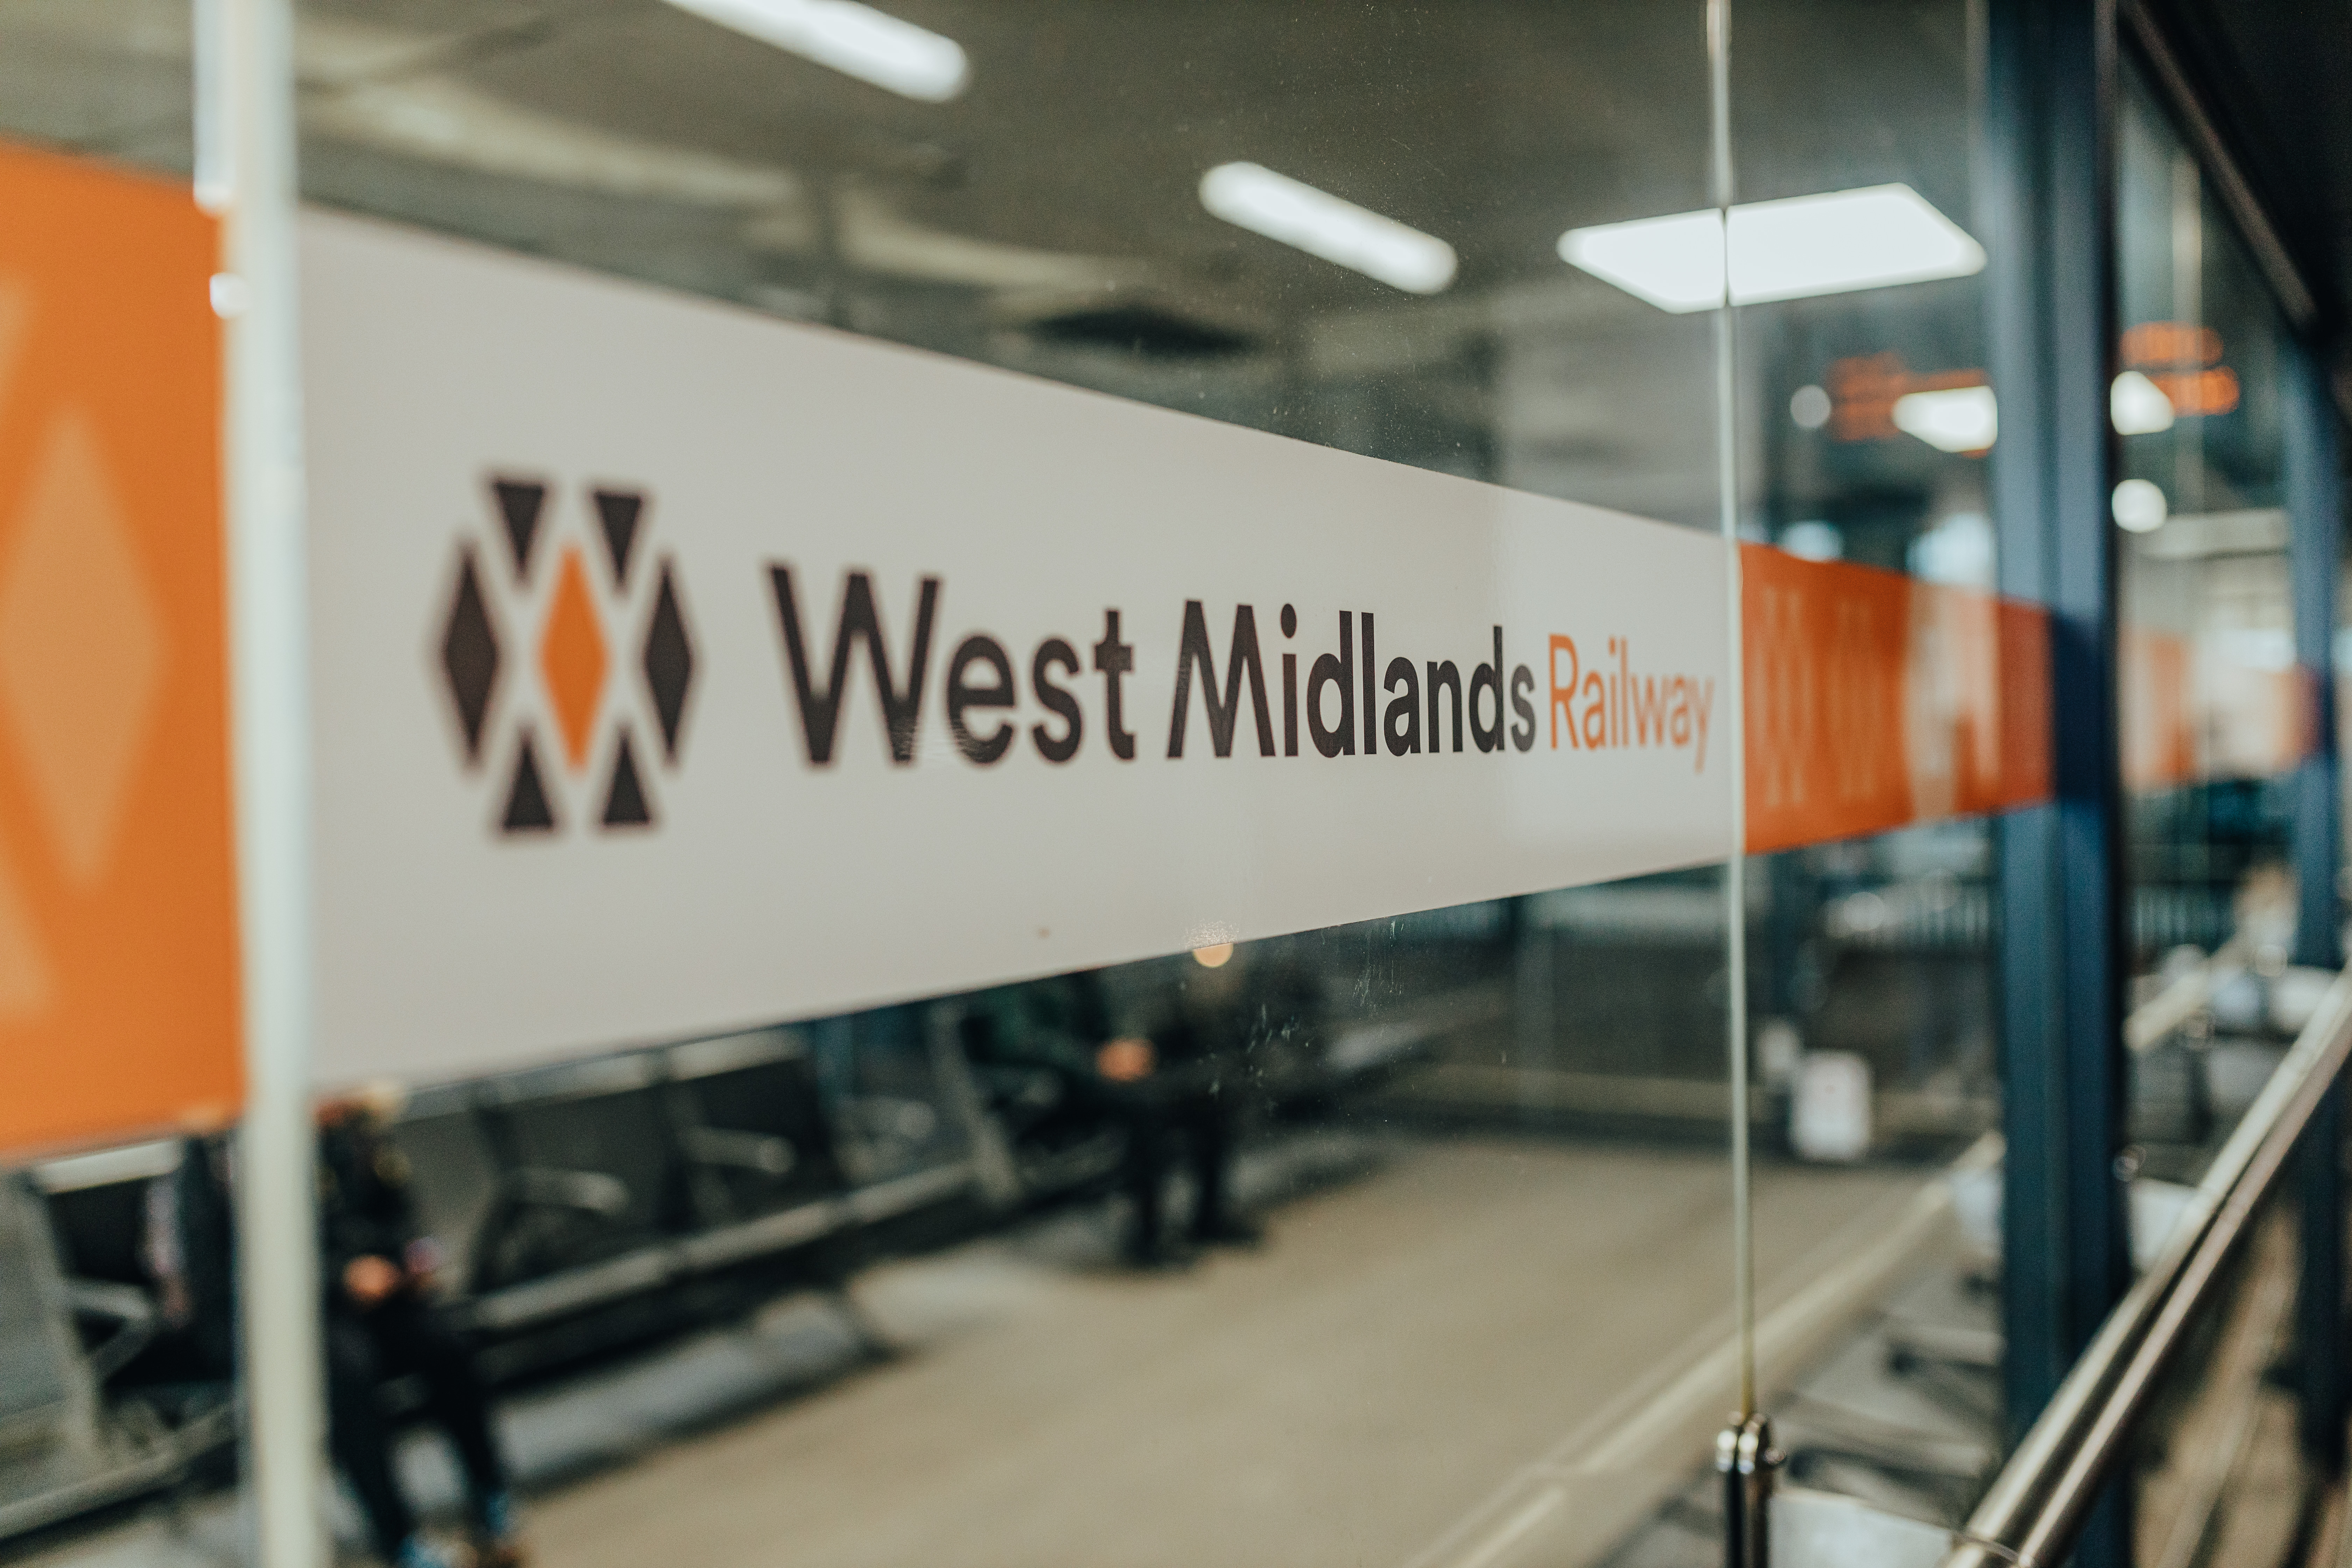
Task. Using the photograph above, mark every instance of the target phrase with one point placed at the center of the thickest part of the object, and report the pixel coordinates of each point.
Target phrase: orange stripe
(119, 1009)
(2195, 710)
(1875, 701)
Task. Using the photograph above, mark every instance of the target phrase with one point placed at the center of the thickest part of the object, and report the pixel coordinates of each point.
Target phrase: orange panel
(2194, 710)
(1825, 649)
(119, 1009)
(1875, 701)
(2159, 743)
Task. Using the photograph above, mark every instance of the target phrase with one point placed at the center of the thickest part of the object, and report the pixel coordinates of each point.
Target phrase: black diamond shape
(469, 654)
(617, 511)
(625, 801)
(519, 503)
(669, 661)
(527, 809)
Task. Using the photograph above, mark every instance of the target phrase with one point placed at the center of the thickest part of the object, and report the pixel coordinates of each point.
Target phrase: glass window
(1410, 1236)
(1868, 422)
(117, 1357)
(2211, 702)
(1460, 1132)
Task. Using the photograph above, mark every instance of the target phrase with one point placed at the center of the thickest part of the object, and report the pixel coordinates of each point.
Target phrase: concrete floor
(1342, 1396)
(1426, 1321)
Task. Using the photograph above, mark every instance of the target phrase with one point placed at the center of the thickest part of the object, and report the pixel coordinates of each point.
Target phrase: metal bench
(66, 1443)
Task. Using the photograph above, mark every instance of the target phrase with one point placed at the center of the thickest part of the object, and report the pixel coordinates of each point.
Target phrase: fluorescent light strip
(1791, 250)
(1256, 198)
(855, 41)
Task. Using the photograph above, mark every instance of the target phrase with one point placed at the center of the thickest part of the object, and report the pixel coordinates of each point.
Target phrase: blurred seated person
(381, 1323)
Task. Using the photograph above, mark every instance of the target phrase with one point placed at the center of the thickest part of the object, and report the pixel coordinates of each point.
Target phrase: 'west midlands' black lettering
(1240, 659)
(1061, 748)
(1444, 676)
(820, 706)
(1114, 658)
(1338, 739)
(1488, 678)
(1404, 718)
(963, 696)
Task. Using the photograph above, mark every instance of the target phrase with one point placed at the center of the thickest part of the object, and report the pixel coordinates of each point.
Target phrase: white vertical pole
(247, 105)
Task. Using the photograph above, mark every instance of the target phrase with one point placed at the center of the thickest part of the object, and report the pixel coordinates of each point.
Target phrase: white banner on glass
(680, 668)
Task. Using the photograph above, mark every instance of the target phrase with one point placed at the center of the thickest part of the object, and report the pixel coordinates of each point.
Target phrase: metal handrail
(2037, 1502)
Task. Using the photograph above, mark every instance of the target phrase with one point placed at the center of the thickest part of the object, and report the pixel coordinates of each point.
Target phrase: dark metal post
(2033, 1229)
(2315, 500)
(1747, 1462)
(2047, 198)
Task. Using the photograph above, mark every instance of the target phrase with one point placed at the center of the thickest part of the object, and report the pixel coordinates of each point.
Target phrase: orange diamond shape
(572, 659)
(83, 654)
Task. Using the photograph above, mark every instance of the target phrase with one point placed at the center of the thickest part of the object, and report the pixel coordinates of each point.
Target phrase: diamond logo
(519, 503)
(625, 799)
(527, 807)
(617, 511)
(527, 658)
(469, 655)
(572, 659)
(81, 649)
(668, 662)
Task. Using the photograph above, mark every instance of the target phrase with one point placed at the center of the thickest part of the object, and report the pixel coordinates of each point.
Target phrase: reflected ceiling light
(1256, 198)
(1789, 249)
(2138, 406)
(1813, 540)
(1957, 419)
(1811, 407)
(2267, 648)
(2140, 506)
(1957, 551)
(855, 41)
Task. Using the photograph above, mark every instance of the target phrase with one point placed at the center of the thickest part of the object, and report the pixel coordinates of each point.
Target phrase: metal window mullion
(2315, 500)
(2047, 210)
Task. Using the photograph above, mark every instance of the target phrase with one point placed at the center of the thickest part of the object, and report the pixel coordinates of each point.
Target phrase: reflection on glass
(1870, 420)
(2218, 1469)
(2212, 705)
(1406, 1240)
(2212, 723)
(117, 1356)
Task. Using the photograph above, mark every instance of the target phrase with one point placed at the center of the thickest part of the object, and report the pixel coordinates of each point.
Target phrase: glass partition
(117, 1363)
(1407, 1238)
(1265, 1250)
(1868, 424)
(2212, 705)
(2217, 1466)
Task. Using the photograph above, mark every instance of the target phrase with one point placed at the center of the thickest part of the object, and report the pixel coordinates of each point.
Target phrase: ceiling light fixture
(1956, 420)
(1256, 198)
(855, 41)
(1832, 243)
